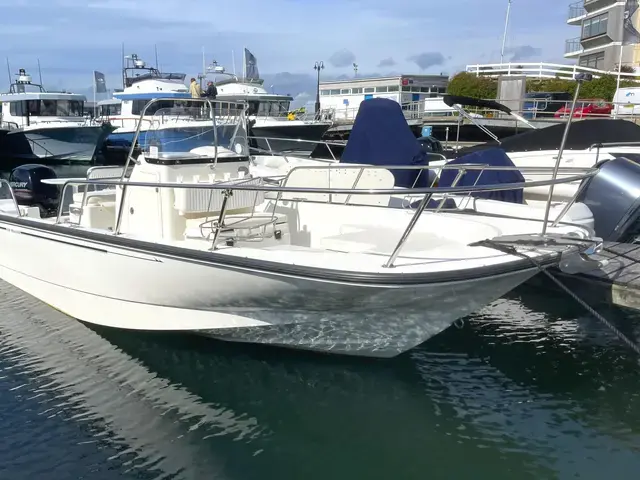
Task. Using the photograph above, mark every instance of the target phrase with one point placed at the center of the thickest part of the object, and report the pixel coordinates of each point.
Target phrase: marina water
(530, 387)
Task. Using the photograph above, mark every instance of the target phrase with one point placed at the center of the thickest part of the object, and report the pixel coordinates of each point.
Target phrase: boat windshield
(269, 108)
(165, 105)
(110, 109)
(48, 108)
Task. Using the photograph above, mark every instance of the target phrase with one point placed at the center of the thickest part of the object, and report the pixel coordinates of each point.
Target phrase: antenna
(39, 72)
(122, 60)
(9, 71)
(155, 47)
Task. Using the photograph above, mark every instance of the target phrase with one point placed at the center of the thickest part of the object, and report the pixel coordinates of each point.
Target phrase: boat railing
(5, 185)
(8, 125)
(289, 188)
(303, 143)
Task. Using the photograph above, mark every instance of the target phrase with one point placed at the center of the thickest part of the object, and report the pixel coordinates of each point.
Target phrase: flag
(100, 82)
(251, 66)
(630, 34)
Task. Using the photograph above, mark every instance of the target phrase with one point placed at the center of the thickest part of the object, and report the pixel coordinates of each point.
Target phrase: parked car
(543, 104)
(596, 107)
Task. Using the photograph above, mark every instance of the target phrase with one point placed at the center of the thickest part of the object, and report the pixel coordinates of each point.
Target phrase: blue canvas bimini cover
(381, 136)
(494, 157)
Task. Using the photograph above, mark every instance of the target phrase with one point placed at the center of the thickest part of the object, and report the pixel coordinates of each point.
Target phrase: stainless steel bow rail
(227, 188)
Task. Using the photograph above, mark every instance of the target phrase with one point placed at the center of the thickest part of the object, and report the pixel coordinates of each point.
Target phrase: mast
(233, 62)
(39, 72)
(123, 67)
(504, 37)
(9, 71)
(244, 63)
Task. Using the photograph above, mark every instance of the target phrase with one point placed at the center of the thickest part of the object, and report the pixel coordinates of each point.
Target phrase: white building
(345, 96)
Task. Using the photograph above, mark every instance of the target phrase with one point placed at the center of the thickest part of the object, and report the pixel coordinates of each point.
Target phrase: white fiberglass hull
(128, 288)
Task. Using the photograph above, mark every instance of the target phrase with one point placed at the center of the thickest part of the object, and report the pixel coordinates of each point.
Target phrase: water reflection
(522, 390)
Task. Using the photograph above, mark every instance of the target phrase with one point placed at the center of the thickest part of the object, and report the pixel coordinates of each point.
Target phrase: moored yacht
(47, 126)
(168, 122)
(275, 127)
(317, 260)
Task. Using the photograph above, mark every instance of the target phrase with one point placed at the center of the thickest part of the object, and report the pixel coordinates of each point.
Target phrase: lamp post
(317, 67)
(355, 70)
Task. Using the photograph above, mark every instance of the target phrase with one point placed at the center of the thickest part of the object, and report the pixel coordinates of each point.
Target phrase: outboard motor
(25, 181)
(613, 196)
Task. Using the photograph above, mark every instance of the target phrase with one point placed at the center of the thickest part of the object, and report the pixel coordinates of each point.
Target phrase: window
(424, 89)
(110, 110)
(345, 91)
(17, 108)
(356, 90)
(48, 108)
(406, 89)
(369, 90)
(325, 92)
(595, 26)
(394, 88)
(381, 89)
(335, 92)
(273, 109)
(154, 108)
(595, 60)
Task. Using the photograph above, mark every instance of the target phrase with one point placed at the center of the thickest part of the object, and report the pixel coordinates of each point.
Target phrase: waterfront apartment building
(606, 26)
(345, 96)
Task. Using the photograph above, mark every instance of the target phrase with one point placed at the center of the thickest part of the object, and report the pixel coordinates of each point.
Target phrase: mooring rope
(512, 250)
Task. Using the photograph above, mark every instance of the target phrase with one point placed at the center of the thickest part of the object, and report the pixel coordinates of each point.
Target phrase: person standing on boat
(211, 92)
(196, 92)
(194, 89)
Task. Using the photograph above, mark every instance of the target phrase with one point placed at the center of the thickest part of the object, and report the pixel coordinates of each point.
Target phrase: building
(604, 26)
(344, 97)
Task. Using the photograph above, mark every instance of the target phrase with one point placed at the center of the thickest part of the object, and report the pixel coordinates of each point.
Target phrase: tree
(470, 85)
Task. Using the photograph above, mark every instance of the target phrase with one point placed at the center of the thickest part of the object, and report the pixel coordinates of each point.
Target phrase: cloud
(384, 29)
(522, 52)
(428, 59)
(342, 58)
(386, 62)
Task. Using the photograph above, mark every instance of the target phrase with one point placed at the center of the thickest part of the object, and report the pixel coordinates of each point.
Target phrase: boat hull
(282, 138)
(54, 145)
(137, 289)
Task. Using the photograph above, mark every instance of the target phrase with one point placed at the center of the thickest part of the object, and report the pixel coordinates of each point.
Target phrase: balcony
(572, 47)
(576, 13)
(593, 5)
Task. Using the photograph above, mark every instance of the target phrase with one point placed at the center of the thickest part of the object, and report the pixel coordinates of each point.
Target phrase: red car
(586, 108)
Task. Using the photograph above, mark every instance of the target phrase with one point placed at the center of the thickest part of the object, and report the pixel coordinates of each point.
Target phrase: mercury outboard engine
(25, 181)
(613, 196)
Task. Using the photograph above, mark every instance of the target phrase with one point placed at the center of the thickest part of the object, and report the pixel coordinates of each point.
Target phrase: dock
(617, 283)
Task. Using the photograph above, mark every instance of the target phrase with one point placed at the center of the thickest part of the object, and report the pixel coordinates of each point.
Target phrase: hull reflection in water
(520, 392)
(147, 423)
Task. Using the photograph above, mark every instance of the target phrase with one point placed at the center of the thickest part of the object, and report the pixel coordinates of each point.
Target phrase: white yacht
(169, 122)
(274, 127)
(315, 260)
(47, 126)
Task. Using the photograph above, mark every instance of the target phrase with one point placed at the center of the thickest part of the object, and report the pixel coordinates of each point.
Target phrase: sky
(71, 38)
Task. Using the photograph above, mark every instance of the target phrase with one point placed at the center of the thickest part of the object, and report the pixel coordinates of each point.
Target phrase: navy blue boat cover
(495, 157)
(381, 136)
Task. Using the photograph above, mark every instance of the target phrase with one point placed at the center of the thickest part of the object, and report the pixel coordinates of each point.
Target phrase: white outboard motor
(613, 196)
